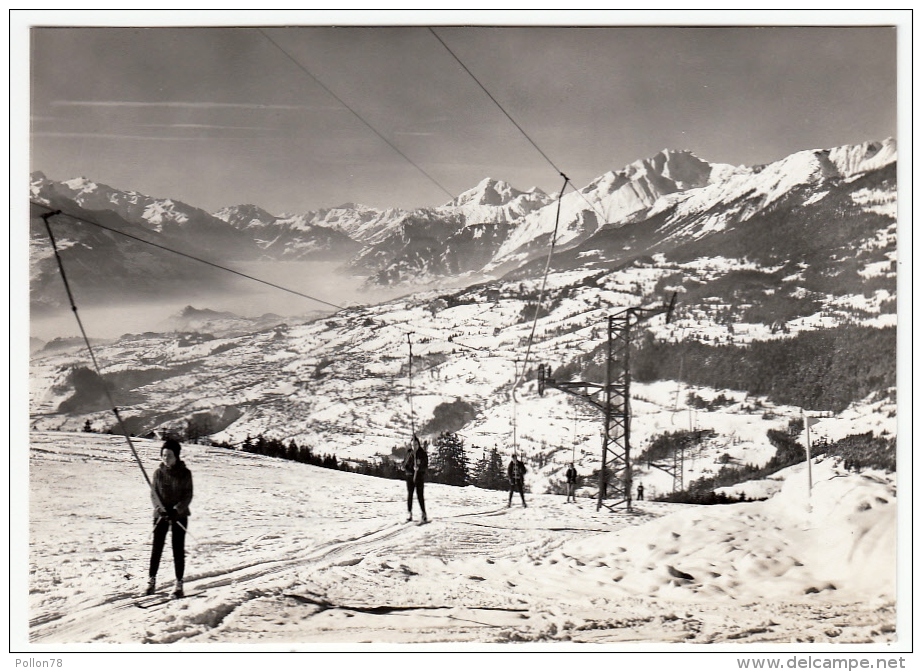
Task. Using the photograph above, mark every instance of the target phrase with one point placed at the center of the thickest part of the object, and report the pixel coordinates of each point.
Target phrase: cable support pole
(193, 257)
(410, 395)
(606, 435)
(575, 418)
(628, 465)
(89, 347)
(514, 437)
(356, 114)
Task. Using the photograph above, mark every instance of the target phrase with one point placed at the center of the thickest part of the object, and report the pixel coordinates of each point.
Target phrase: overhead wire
(89, 347)
(187, 255)
(520, 375)
(534, 324)
(514, 122)
(547, 267)
(490, 96)
(410, 391)
(390, 144)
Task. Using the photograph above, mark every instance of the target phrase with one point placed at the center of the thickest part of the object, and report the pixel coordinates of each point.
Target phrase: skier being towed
(171, 494)
(414, 465)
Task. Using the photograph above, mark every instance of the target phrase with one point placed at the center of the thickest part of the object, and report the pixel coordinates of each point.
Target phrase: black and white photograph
(469, 332)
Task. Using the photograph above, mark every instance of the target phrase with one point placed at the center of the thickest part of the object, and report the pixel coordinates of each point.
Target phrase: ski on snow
(151, 601)
(148, 601)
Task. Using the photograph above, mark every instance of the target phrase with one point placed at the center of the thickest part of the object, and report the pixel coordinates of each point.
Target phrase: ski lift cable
(92, 353)
(303, 69)
(410, 391)
(73, 305)
(514, 122)
(531, 336)
(188, 256)
(575, 423)
(547, 268)
(490, 96)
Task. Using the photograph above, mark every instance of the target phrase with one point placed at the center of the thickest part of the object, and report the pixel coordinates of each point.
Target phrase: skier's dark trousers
(415, 465)
(516, 475)
(571, 483)
(171, 494)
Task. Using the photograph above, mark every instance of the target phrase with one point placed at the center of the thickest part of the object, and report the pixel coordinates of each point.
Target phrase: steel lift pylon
(613, 398)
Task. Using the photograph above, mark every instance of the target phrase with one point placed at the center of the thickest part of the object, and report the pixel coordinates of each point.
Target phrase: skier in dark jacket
(571, 482)
(516, 474)
(171, 494)
(415, 465)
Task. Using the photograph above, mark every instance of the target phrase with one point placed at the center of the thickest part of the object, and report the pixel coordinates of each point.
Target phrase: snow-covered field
(287, 554)
(342, 385)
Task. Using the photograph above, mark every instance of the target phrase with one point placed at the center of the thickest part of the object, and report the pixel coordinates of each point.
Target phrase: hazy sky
(222, 116)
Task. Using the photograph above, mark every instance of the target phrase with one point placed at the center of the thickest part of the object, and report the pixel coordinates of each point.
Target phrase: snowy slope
(341, 383)
(283, 553)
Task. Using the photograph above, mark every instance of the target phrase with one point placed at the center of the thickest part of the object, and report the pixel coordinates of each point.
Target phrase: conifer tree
(451, 460)
(490, 472)
(479, 471)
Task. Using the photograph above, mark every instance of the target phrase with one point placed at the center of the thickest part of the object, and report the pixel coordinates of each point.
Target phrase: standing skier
(571, 483)
(640, 492)
(516, 474)
(414, 465)
(171, 494)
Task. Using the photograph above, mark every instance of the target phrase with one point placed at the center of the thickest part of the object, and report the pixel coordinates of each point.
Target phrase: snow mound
(787, 547)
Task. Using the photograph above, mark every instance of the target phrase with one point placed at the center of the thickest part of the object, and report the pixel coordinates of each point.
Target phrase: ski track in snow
(280, 552)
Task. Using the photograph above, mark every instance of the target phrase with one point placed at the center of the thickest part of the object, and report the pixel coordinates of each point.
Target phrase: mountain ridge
(509, 227)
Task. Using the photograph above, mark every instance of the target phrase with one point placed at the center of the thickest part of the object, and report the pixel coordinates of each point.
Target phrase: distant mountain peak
(682, 167)
(489, 191)
(853, 159)
(245, 216)
(198, 313)
(81, 185)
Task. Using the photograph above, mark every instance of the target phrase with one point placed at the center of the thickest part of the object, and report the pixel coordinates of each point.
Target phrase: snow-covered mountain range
(673, 198)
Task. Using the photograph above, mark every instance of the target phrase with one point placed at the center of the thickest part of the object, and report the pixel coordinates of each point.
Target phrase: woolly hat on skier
(172, 444)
